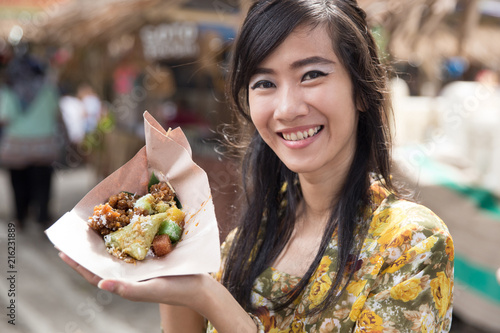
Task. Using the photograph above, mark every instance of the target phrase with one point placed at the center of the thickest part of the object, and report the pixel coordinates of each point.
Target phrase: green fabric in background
(480, 279)
(483, 199)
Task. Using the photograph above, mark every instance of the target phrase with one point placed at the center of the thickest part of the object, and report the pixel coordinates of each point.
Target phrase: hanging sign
(170, 40)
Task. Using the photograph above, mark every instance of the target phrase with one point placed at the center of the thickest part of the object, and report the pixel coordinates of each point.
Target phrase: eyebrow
(309, 61)
(298, 64)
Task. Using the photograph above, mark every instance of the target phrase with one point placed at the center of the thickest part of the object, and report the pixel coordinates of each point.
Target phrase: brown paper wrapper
(170, 159)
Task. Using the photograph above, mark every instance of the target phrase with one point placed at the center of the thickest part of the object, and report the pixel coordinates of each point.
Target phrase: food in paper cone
(135, 227)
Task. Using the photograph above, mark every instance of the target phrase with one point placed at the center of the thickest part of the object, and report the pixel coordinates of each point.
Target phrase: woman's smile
(300, 134)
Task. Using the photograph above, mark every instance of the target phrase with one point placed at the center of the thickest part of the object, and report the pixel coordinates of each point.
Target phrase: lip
(303, 142)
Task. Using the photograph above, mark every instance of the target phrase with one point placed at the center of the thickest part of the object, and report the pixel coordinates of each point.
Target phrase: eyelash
(318, 73)
(260, 83)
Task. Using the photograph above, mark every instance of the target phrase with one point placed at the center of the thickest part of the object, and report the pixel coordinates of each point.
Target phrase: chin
(301, 167)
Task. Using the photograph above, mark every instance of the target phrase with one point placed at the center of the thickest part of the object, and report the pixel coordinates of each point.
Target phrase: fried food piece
(105, 219)
(162, 245)
(123, 201)
(114, 214)
(162, 192)
(136, 238)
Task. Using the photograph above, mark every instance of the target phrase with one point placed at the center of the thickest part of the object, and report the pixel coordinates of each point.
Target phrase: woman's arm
(180, 319)
(200, 293)
(222, 310)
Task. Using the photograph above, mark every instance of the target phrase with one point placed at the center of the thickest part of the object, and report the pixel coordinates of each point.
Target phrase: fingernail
(106, 285)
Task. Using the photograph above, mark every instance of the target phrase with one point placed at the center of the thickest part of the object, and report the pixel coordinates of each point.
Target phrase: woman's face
(301, 102)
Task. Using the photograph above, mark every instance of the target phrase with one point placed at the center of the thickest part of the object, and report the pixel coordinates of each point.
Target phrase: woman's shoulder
(402, 219)
(405, 233)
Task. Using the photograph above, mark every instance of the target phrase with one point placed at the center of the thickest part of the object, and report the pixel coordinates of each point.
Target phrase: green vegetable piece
(177, 202)
(171, 229)
(153, 180)
(136, 238)
(145, 202)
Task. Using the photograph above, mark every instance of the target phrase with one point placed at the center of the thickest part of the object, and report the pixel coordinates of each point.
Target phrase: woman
(324, 244)
(29, 110)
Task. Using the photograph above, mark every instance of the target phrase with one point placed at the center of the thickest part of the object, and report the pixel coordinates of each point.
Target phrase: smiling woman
(330, 250)
(324, 242)
(302, 87)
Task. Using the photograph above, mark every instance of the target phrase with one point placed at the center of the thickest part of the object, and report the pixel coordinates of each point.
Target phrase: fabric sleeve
(413, 291)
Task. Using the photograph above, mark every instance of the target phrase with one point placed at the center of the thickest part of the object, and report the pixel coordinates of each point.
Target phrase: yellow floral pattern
(369, 321)
(407, 290)
(450, 250)
(441, 287)
(403, 280)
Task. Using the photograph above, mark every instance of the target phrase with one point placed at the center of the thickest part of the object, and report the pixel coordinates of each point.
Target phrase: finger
(145, 291)
(87, 275)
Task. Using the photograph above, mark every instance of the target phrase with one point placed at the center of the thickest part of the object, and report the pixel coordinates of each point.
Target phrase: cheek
(260, 116)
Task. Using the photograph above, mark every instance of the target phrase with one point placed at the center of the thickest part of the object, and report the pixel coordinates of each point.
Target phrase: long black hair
(266, 224)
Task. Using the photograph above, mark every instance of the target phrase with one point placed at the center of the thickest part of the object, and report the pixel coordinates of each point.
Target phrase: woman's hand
(201, 293)
(174, 290)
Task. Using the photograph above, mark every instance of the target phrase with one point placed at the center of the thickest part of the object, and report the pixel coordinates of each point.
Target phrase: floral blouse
(403, 281)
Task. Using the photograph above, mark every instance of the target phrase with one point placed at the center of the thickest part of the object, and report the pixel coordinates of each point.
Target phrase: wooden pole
(471, 17)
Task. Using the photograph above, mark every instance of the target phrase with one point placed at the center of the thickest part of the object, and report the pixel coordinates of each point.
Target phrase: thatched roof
(428, 30)
(414, 29)
(88, 22)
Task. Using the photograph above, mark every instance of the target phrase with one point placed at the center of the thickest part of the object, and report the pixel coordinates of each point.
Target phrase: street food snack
(134, 227)
(168, 155)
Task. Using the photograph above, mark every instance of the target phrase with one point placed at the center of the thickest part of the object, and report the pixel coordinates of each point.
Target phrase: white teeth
(301, 135)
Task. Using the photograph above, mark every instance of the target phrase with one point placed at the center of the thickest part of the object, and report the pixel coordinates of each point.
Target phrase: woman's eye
(313, 75)
(263, 84)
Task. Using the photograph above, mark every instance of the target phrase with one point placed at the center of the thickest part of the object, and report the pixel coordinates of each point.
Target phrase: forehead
(302, 42)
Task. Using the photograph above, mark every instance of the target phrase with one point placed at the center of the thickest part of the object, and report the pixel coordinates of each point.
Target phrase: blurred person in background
(73, 114)
(29, 111)
(92, 104)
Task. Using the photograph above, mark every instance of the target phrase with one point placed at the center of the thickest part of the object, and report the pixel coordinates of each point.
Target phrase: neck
(319, 196)
(321, 191)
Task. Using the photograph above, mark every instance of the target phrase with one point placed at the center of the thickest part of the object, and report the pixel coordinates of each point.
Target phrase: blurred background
(101, 64)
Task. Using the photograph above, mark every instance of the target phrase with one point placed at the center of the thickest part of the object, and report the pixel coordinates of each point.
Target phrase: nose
(290, 104)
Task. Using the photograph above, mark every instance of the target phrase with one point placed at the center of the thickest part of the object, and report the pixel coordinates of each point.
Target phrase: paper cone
(170, 159)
